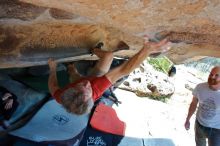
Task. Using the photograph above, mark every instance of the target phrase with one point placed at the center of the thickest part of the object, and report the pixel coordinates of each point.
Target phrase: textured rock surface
(194, 27)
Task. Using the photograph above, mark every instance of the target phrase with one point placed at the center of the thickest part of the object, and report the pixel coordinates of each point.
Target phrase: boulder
(33, 30)
(146, 81)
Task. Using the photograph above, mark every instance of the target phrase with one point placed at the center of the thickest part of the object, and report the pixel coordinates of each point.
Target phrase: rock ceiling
(33, 30)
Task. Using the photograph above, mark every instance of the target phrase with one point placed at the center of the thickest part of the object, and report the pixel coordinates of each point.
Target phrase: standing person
(207, 124)
(78, 97)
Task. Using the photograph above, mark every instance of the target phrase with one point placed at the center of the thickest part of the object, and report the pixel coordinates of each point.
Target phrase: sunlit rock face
(31, 31)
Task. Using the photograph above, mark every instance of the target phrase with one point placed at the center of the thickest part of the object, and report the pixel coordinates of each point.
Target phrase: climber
(78, 97)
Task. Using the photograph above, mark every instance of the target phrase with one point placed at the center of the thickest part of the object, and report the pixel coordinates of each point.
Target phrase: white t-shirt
(208, 113)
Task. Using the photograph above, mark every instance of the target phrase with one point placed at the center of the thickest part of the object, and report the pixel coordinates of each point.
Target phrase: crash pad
(27, 97)
(105, 119)
(53, 123)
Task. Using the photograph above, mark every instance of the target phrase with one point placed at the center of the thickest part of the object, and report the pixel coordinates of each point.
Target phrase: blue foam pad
(26, 97)
(52, 123)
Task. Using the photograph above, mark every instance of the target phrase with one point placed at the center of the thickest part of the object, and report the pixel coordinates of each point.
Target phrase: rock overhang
(33, 26)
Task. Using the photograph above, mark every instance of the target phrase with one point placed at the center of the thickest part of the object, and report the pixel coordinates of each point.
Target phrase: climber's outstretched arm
(127, 67)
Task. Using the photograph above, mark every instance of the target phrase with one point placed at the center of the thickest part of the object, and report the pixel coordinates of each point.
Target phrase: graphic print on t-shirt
(208, 108)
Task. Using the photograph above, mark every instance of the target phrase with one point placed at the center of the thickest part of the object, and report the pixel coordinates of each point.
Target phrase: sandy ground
(146, 118)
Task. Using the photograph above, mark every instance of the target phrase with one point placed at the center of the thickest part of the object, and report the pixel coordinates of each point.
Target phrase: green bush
(161, 64)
